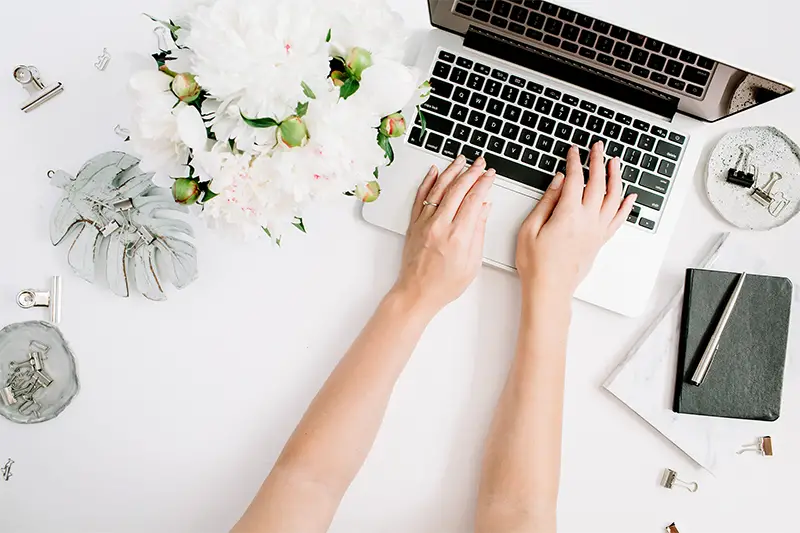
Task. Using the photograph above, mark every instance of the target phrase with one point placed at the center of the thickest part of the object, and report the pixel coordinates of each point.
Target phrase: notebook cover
(746, 378)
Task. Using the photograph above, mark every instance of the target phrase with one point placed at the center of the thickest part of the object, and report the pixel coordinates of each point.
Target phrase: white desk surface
(186, 404)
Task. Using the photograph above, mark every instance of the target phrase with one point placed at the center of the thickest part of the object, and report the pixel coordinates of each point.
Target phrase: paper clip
(103, 60)
(763, 447)
(670, 480)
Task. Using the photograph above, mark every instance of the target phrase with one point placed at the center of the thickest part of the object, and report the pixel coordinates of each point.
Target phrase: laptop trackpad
(509, 210)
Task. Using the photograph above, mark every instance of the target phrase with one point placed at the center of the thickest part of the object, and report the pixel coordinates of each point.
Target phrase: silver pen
(713, 343)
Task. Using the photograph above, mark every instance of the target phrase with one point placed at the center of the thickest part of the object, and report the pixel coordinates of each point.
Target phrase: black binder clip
(743, 173)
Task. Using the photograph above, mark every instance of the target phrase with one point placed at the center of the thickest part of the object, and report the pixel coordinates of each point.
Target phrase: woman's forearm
(519, 486)
(334, 437)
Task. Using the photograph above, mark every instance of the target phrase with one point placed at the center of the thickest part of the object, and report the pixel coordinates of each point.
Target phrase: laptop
(520, 81)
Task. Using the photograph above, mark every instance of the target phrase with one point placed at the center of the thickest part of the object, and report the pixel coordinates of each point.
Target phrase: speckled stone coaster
(773, 152)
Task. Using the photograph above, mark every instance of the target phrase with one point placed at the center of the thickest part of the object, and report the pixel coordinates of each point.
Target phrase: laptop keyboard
(523, 129)
(591, 40)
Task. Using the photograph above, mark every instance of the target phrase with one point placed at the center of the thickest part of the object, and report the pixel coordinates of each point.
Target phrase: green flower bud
(185, 87)
(293, 132)
(338, 78)
(368, 192)
(186, 191)
(394, 125)
(358, 60)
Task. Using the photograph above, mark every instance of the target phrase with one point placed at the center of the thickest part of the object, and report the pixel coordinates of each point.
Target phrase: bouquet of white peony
(261, 107)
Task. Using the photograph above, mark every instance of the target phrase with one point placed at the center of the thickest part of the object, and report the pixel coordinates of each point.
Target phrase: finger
(442, 183)
(596, 188)
(458, 190)
(613, 198)
(544, 209)
(622, 215)
(480, 230)
(573, 184)
(423, 191)
(470, 209)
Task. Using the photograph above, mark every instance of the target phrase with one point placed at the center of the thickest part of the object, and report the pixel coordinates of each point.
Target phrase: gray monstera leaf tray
(124, 223)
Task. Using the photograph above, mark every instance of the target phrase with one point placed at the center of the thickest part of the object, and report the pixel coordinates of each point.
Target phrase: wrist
(552, 297)
(409, 303)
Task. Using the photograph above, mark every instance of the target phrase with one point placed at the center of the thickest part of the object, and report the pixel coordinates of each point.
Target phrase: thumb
(544, 209)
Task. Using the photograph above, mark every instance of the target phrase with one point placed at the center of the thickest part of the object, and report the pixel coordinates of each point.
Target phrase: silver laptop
(520, 81)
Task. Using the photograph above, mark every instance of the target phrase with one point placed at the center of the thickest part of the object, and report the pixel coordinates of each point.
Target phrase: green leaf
(376, 173)
(232, 144)
(307, 90)
(170, 25)
(349, 193)
(422, 121)
(209, 195)
(386, 144)
(328, 38)
(266, 230)
(299, 224)
(349, 88)
(260, 122)
(301, 110)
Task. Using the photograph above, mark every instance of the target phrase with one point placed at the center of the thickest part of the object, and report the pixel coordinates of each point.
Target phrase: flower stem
(166, 70)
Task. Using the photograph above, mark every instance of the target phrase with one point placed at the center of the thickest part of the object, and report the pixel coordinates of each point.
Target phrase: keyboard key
(483, 16)
(675, 83)
(688, 57)
(441, 88)
(510, 94)
(587, 53)
(495, 107)
(563, 131)
(543, 105)
(510, 131)
(501, 8)
(584, 154)
(676, 138)
(674, 68)
(567, 15)
(548, 163)
(639, 56)
(463, 62)
(530, 157)
(569, 99)
(601, 27)
(476, 119)
(606, 112)
(493, 88)
(619, 33)
(612, 130)
(459, 113)
(604, 44)
(545, 143)
(534, 34)
(614, 149)
(519, 82)
(437, 123)
(459, 76)
(605, 59)
(447, 56)
(641, 71)
(499, 75)
(536, 20)
(561, 112)
(513, 151)
(581, 137)
(624, 119)
(519, 14)
(649, 162)
(517, 28)
(552, 41)
(656, 62)
(526, 100)
(658, 77)
(706, 63)
(654, 183)
(416, 137)
(632, 156)
(478, 101)
(499, 22)
(646, 223)
(434, 142)
(570, 32)
(546, 125)
(512, 113)
(633, 217)
(441, 69)
(641, 125)
(646, 142)
(588, 38)
(494, 125)
(694, 90)
(527, 137)
(623, 65)
(561, 149)
(653, 45)
(461, 95)
(646, 198)
(670, 151)
(519, 172)
(464, 9)
(588, 106)
(437, 105)
(658, 131)
(479, 138)
(595, 124)
(496, 144)
(553, 26)
(630, 174)
(577, 118)
(569, 47)
(552, 93)
(462, 132)
(561, 166)
(596, 139)
(534, 87)
(480, 68)
(670, 51)
(584, 21)
(451, 148)
(529, 119)
(629, 136)
(471, 153)
(695, 75)
(666, 168)
(549, 8)
(475, 82)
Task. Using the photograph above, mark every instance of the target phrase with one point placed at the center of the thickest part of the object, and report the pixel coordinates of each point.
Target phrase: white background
(186, 404)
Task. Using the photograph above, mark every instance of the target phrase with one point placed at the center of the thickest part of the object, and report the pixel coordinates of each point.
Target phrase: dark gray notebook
(746, 377)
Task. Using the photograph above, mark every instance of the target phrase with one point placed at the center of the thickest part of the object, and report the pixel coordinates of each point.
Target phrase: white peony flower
(386, 87)
(369, 24)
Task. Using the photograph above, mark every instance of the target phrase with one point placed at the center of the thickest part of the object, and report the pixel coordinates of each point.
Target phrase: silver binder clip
(103, 60)
(6, 470)
(763, 447)
(779, 203)
(28, 76)
(670, 480)
(763, 195)
(30, 298)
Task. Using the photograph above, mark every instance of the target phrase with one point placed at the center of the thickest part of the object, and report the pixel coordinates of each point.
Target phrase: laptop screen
(706, 89)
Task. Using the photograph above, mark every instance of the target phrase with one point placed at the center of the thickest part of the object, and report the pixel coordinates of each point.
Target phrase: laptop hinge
(573, 72)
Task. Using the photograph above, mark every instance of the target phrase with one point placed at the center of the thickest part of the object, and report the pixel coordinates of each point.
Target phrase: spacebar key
(514, 171)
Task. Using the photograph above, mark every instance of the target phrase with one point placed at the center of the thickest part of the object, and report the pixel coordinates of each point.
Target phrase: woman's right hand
(561, 237)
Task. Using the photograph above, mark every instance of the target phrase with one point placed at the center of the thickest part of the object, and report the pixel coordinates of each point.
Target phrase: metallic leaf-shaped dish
(112, 200)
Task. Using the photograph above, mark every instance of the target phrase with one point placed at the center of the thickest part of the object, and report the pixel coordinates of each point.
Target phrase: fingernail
(600, 145)
(491, 173)
(574, 148)
(432, 170)
(461, 159)
(557, 182)
(481, 162)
